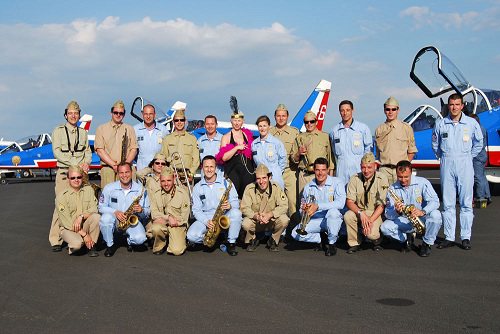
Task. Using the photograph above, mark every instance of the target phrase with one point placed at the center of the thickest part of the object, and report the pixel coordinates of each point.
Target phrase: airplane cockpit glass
(453, 74)
(45, 140)
(195, 124)
(29, 142)
(423, 118)
(493, 96)
(11, 149)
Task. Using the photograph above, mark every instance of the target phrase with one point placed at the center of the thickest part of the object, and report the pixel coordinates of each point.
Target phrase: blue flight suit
(206, 198)
(421, 194)
(481, 186)
(456, 145)
(113, 198)
(330, 199)
(349, 144)
(149, 142)
(271, 152)
(210, 147)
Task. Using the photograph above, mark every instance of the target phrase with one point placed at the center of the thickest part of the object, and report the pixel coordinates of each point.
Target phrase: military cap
(281, 106)
(309, 115)
(119, 104)
(368, 158)
(73, 105)
(181, 113)
(262, 170)
(391, 101)
(160, 156)
(167, 172)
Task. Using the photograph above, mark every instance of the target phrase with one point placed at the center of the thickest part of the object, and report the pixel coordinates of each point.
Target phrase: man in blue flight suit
(149, 135)
(206, 198)
(417, 191)
(209, 143)
(324, 211)
(457, 139)
(116, 198)
(350, 140)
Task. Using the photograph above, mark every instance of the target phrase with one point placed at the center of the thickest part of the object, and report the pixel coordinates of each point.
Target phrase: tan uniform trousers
(352, 222)
(176, 238)
(390, 173)
(61, 185)
(276, 226)
(290, 179)
(75, 240)
(108, 175)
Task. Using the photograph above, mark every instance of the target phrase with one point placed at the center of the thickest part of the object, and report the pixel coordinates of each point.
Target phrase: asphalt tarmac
(292, 291)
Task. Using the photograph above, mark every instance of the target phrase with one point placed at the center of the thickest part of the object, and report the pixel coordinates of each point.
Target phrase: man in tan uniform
(366, 195)
(287, 134)
(110, 140)
(70, 147)
(264, 206)
(183, 145)
(170, 212)
(77, 210)
(307, 147)
(395, 140)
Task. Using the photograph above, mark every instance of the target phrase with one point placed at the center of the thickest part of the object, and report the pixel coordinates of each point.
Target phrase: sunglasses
(391, 109)
(310, 122)
(118, 113)
(160, 163)
(76, 177)
(179, 120)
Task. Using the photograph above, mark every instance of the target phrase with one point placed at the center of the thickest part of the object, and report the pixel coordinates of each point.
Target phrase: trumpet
(304, 220)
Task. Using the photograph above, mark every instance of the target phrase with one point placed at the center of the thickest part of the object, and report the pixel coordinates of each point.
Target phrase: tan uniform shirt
(318, 145)
(376, 194)
(149, 179)
(70, 204)
(74, 150)
(185, 144)
(394, 141)
(287, 136)
(254, 201)
(109, 137)
(162, 204)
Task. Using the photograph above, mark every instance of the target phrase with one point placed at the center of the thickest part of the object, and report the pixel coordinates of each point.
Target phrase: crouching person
(119, 201)
(77, 210)
(170, 213)
(417, 191)
(366, 193)
(264, 207)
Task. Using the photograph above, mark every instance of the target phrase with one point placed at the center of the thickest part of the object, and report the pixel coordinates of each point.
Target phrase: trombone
(181, 174)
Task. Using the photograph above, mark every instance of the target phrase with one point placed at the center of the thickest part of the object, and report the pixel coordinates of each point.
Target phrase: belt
(388, 166)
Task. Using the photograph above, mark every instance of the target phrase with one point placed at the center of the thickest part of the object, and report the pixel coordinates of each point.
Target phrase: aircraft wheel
(25, 173)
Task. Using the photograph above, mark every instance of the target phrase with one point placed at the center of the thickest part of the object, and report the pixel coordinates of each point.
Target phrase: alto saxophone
(221, 222)
(304, 220)
(417, 224)
(130, 218)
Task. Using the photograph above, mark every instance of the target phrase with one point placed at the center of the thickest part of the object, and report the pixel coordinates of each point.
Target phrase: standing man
(264, 206)
(209, 143)
(309, 146)
(149, 136)
(287, 135)
(207, 195)
(366, 194)
(169, 212)
(324, 212)
(117, 203)
(71, 147)
(456, 140)
(395, 140)
(416, 191)
(113, 141)
(182, 145)
(78, 217)
(350, 139)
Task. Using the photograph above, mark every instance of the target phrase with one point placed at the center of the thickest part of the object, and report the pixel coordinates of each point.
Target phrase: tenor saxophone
(221, 222)
(130, 218)
(417, 224)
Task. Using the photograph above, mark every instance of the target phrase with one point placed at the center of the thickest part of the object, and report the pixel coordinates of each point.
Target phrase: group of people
(279, 184)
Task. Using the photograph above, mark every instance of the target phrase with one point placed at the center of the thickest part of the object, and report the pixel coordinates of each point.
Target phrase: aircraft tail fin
(316, 102)
(85, 122)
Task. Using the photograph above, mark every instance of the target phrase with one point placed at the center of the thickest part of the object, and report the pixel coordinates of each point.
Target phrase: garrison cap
(391, 101)
(181, 113)
(167, 171)
(119, 104)
(262, 170)
(73, 105)
(368, 158)
(281, 106)
(160, 156)
(309, 114)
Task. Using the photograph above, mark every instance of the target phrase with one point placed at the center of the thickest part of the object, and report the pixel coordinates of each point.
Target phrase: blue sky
(201, 52)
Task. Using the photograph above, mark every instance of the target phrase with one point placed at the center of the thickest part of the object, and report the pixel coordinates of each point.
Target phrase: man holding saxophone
(119, 203)
(264, 207)
(206, 199)
(417, 191)
(323, 213)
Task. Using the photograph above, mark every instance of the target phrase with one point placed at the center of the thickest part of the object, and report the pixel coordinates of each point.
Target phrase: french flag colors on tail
(316, 102)
(84, 122)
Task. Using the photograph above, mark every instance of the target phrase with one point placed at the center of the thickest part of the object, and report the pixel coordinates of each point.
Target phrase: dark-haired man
(149, 136)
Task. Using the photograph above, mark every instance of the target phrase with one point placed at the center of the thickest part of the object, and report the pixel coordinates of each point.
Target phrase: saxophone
(123, 157)
(221, 222)
(417, 224)
(304, 220)
(130, 218)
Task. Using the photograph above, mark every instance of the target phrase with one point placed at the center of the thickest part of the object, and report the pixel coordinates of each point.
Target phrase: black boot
(231, 249)
(425, 250)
